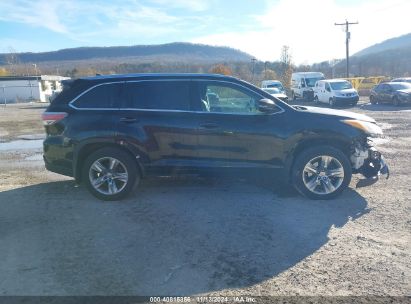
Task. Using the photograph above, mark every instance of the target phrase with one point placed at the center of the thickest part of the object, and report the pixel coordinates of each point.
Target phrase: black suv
(110, 131)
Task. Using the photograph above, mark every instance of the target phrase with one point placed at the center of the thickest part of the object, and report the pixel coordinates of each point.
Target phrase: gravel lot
(192, 236)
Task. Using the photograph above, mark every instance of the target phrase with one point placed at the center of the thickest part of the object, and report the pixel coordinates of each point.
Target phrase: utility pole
(347, 43)
(253, 61)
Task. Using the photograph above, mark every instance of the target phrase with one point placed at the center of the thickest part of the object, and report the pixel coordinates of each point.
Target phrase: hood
(408, 91)
(347, 91)
(279, 95)
(340, 114)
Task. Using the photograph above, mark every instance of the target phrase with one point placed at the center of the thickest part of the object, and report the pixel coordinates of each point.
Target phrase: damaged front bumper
(369, 162)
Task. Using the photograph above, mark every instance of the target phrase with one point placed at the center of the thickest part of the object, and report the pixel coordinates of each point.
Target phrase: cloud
(85, 21)
(308, 28)
(39, 13)
(192, 5)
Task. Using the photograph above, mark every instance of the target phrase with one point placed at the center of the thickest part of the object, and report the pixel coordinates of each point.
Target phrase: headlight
(367, 127)
(338, 94)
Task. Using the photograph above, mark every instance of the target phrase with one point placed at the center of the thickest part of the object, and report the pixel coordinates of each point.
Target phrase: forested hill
(173, 51)
(397, 43)
(391, 58)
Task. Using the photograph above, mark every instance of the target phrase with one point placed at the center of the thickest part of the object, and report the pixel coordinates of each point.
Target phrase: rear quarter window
(105, 96)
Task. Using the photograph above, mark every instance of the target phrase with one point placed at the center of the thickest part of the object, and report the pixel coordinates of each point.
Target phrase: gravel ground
(197, 236)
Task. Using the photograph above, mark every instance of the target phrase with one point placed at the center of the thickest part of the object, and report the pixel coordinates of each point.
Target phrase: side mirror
(266, 105)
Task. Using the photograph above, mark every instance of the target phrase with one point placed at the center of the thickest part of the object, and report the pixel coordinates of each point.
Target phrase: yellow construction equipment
(366, 83)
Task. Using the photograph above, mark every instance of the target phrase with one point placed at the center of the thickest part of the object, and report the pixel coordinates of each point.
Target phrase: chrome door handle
(128, 119)
(209, 126)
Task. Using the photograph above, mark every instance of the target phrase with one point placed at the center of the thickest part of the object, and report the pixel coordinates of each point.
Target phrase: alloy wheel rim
(108, 175)
(323, 175)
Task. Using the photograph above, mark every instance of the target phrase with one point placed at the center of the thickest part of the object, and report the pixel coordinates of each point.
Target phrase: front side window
(105, 96)
(226, 98)
(327, 87)
(401, 86)
(158, 95)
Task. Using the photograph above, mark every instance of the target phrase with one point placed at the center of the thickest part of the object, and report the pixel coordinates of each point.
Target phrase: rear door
(156, 120)
(384, 94)
(378, 92)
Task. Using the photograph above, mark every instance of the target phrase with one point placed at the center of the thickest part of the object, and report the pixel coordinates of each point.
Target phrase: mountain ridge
(403, 41)
(175, 49)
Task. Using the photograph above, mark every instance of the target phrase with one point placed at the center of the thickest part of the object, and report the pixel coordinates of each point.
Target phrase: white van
(302, 84)
(335, 91)
(268, 84)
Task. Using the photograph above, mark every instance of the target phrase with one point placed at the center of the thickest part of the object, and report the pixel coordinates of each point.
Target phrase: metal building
(29, 88)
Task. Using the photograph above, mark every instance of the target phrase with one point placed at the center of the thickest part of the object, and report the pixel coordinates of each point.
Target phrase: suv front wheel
(321, 172)
(110, 173)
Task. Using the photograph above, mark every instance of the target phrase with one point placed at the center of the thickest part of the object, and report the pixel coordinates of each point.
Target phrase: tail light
(50, 118)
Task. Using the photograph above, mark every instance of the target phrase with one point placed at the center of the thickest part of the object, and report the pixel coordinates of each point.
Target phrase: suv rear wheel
(110, 173)
(321, 172)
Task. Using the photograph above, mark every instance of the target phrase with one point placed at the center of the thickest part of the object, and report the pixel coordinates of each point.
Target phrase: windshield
(311, 81)
(401, 86)
(341, 85)
(276, 85)
(272, 90)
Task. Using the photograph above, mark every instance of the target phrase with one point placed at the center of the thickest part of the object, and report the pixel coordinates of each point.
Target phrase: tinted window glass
(159, 95)
(226, 98)
(385, 87)
(103, 96)
(401, 86)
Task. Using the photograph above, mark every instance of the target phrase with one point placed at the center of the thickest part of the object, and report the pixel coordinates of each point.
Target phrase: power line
(347, 43)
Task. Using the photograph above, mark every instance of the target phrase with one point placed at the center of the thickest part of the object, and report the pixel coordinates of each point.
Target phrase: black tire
(316, 100)
(373, 100)
(396, 102)
(293, 96)
(331, 102)
(299, 176)
(125, 161)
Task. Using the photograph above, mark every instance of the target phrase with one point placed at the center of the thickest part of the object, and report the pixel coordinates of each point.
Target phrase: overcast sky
(257, 27)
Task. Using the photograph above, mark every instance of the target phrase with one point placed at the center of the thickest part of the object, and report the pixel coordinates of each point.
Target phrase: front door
(231, 131)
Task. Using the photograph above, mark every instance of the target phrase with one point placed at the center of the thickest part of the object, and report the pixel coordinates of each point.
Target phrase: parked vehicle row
(313, 86)
(108, 132)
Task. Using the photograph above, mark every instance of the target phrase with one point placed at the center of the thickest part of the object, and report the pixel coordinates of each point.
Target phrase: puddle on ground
(32, 136)
(21, 145)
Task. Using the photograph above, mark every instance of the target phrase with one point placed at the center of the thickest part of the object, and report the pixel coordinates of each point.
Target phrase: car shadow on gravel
(174, 236)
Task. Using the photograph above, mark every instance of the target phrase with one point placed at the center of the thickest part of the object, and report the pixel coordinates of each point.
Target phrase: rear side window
(158, 95)
(103, 96)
